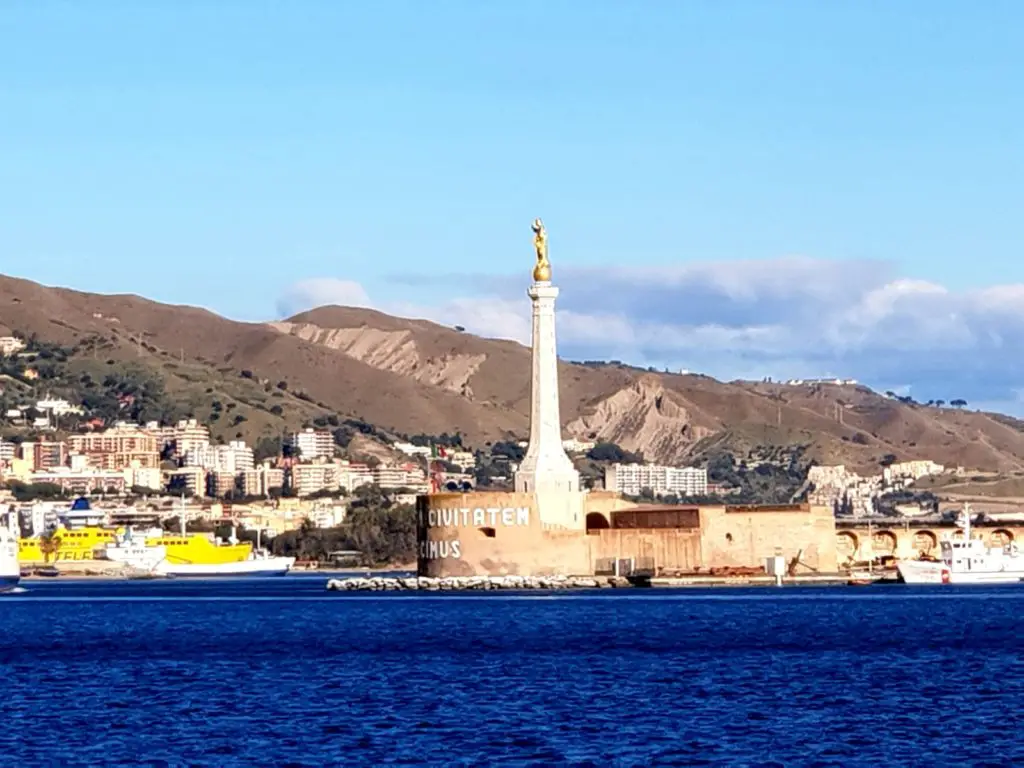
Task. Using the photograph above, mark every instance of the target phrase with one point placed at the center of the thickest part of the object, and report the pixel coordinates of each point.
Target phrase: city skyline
(790, 191)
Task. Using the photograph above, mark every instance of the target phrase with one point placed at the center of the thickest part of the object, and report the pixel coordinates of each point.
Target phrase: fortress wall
(747, 536)
(668, 548)
(494, 533)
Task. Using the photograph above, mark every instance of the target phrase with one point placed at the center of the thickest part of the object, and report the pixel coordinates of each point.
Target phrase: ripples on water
(278, 672)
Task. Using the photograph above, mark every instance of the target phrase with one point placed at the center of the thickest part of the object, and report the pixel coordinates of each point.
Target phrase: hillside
(413, 376)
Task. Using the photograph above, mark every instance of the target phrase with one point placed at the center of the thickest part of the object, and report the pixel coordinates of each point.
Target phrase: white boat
(966, 560)
(10, 570)
(134, 552)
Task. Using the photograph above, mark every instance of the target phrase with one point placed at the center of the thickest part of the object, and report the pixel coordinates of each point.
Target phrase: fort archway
(847, 545)
(1000, 537)
(597, 522)
(924, 543)
(884, 543)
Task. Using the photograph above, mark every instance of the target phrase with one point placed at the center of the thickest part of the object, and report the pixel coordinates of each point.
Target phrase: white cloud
(318, 291)
(786, 317)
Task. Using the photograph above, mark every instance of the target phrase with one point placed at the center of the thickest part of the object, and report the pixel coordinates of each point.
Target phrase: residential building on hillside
(87, 481)
(187, 479)
(188, 435)
(10, 345)
(118, 447)
(572, 445)
(234, 457)
(397, 477)
(312, 444)
(313, 478)
(351, 475)
(631, 479)
(45, 455)
(262, 480)
(911, 470)
(412, 450)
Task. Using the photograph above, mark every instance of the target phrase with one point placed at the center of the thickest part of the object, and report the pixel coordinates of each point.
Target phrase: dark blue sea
(279, 672)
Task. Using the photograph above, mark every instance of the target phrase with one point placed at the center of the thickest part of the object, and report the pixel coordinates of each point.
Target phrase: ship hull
(923, 572)
(9, 581)
(275, 566)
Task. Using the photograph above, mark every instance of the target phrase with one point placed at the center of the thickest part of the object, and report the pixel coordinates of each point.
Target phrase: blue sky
(804, 187)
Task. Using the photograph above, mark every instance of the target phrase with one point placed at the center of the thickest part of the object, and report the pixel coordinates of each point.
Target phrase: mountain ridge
(414, 376)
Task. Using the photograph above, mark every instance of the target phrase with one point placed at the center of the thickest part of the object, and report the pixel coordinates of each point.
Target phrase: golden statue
(541, 272)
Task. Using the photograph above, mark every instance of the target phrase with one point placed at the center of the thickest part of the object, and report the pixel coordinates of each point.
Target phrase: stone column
(546, 467)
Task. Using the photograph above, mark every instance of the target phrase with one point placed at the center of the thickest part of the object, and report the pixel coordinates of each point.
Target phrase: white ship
(192, 555)
(10, 570)
(966, 560)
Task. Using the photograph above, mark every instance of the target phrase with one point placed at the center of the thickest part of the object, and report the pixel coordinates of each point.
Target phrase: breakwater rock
(477, 583)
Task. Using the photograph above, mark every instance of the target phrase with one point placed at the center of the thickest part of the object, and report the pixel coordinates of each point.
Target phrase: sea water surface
(280, 672)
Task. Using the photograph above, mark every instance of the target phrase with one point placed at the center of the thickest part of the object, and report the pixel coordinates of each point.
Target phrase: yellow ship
(90, 543)
(65, 545)
(197, 549)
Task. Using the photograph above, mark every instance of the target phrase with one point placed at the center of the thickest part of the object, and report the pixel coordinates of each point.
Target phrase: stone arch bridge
(909, 539)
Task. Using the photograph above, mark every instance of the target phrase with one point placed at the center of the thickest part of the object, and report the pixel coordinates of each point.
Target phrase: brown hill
(414, 376)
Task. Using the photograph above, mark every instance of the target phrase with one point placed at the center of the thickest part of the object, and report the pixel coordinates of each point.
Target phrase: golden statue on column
(542, 271)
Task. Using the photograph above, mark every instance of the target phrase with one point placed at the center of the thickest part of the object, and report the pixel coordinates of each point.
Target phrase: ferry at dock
(197, 555)
(966, 560)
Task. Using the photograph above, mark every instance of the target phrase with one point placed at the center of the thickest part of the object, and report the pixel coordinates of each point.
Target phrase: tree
(958, 403)
(49, 545)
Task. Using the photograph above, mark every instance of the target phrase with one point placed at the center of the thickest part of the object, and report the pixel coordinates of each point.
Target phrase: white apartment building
(911, 470)
(188, 435)
(572, 445)
(312, 444)
(10, 345)
(631, 479)
(412, 450)
(351, 476)
(311, 478)
(397, 477)
(234, 457)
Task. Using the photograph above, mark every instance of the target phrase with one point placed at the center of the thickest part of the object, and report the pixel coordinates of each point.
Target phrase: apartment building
(631, 479)
(397, 477)
(313, 478)
(118, 447)
(312, 444)
(45, 455)
(188, 435)
(262, 480)
(10, 345)
(352, 475)
(234, 457)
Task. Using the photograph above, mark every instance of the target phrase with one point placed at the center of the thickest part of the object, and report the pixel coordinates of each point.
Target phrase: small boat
(861, 579)
(966, 560)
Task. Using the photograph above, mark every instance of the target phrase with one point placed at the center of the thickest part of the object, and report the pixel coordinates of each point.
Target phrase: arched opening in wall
(597, 522)
(884, 543)
(488, 532)
(925, 543)
(1000, 537)
(846, 545)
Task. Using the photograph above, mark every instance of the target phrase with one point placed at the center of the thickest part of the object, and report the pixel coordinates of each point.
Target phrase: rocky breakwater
(475, 583)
